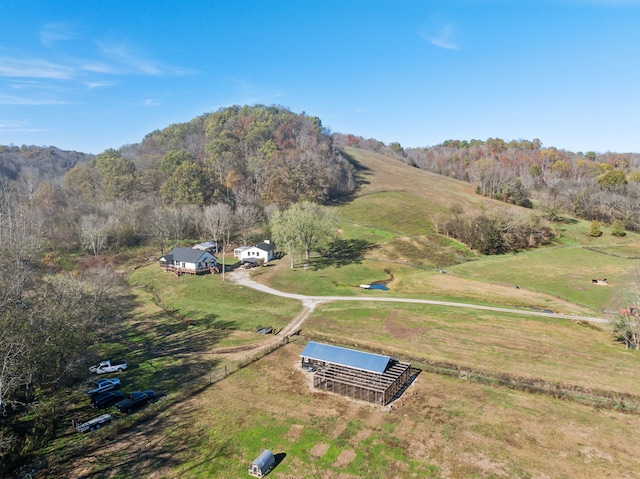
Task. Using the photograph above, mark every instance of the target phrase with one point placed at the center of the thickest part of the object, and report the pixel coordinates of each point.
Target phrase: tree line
(48, 321)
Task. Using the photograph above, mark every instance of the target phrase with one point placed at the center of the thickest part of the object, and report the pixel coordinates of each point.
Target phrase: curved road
(242, 277)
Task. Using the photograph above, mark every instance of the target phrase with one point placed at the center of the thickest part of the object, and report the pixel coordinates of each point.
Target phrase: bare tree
(626, 327)
(217, 220)
(247, 216)
(93, 233)
(158, 228)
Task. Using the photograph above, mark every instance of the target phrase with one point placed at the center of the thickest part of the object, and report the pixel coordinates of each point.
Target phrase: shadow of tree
(130, 457)
(360, 171)
(341, 253)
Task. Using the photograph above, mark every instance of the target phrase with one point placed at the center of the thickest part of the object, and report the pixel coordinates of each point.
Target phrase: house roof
(188, 255)
(266, 246)
(205, 245)
(346, 357)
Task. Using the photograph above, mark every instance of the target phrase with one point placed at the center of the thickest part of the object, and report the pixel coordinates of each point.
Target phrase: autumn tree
(82, 182)
(284, 234)
(614, 180)
(617, 228)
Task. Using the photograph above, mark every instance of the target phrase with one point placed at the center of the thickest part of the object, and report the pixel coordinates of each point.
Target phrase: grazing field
(553, 349)
(565, 272)
(441, 428)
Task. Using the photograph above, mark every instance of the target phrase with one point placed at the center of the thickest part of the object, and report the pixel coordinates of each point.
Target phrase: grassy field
(441, 428)
(181, 330)
(556, 350)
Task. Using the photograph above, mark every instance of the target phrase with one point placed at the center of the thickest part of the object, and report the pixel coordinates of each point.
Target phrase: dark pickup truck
(135, 400)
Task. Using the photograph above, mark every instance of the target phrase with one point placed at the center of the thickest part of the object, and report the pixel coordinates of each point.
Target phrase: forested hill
(251, 154)
(38, 162)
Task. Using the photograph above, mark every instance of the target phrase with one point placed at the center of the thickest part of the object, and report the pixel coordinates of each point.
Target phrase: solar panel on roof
(346, 357)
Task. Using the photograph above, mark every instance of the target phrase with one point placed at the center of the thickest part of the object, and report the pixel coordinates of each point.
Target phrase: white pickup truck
(108, 367)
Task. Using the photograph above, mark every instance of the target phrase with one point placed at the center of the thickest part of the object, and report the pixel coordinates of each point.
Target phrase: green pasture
(573, 231)
(549, 348)
(208, 302)
(565, 272)
(332, 280)
(399, 212)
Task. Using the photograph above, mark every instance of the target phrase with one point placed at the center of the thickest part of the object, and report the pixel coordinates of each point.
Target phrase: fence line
(230, 367)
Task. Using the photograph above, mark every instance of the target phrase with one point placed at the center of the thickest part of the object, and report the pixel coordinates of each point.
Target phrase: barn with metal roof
(356, 374)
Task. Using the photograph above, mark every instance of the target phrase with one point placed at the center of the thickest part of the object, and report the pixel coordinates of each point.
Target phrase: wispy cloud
(33, 68)
(443, 38)
(6, 99)
(94, 66)
(98, 84)
(133, 62)
(17, 126)
(56, 32)
(150, 102)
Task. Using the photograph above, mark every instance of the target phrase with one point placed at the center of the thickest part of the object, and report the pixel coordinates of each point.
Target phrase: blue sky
(90, 75)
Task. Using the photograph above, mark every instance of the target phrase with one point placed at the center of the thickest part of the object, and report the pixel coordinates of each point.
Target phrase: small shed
(209, 246)
(262, 464)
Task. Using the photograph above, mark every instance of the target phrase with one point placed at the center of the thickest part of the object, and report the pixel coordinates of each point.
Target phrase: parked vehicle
(103, 385)
(106, 399)
(108, 366)
(92, 424)
(135, 400)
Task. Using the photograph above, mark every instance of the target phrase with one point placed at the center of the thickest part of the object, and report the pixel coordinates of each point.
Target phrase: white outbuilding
(262, 464)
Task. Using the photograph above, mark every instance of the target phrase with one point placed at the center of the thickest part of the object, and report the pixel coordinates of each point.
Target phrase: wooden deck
(179, 271)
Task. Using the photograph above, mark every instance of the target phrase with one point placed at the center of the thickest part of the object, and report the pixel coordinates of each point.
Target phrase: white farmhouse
(264, 251)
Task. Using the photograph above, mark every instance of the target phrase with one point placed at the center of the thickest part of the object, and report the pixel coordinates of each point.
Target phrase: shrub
(617, 228)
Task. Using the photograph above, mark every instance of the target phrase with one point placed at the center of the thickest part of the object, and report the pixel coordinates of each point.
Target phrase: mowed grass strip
(551, 349)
